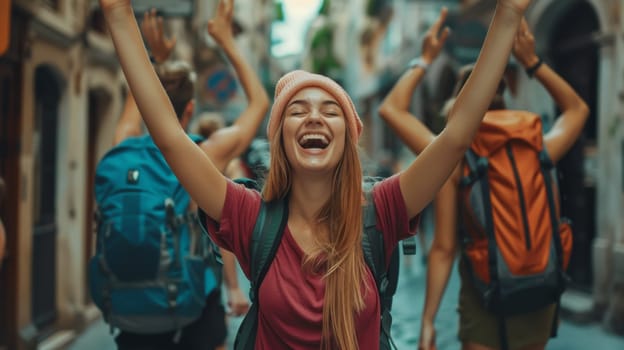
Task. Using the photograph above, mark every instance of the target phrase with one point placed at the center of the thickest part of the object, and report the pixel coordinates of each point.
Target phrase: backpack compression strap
(375, 256)
(546, 167)
(266, 238)
(478, 173)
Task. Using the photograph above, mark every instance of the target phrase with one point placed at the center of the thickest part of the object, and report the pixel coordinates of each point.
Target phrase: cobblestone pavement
(407, 310)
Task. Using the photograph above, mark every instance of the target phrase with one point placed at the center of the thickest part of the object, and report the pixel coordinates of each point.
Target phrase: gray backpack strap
(266, 238)
(375, 257)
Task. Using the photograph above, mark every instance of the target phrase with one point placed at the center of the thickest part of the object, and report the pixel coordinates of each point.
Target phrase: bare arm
(192, 167)
(424, 177)
(228, 143)
(441, 257)
(569, 125)
(129, 124)
(237, 301)
(395, 107)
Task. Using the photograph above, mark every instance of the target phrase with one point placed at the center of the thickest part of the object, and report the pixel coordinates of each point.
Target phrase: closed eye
(332, 113)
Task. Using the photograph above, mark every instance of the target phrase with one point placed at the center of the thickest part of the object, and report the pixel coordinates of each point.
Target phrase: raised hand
(435, 38)
(220, 27)
(519, 5)
(153, 33)
(524, 45)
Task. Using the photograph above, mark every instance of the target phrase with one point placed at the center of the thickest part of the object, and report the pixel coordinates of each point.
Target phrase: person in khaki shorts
(479, 328)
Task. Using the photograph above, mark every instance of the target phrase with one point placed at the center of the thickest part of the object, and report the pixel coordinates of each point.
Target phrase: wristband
(418, 62)
(530, 71)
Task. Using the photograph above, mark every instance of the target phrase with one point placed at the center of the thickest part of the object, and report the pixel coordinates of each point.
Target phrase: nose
(314, 117)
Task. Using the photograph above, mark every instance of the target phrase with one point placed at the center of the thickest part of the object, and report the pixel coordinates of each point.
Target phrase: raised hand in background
(154, 35)
(220, 26)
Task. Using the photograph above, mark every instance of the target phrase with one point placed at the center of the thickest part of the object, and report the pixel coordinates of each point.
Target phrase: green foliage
(322, 51)
(324, 10)
(278, 11)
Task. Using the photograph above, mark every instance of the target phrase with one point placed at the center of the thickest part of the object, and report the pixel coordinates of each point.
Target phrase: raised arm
(129, 124)
(395, 107)
(574, 110)
(192, 167)
(441, 257)
(424, 177)
(230, 142)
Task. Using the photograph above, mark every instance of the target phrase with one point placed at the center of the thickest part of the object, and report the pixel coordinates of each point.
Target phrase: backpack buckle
(383, 286)
(170, 212)
(386, 322)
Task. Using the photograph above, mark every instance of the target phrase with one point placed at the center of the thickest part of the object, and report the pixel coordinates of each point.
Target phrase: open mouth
(313, 141)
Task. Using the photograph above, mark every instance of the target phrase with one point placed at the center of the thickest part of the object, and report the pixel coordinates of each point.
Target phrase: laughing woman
(318, 293)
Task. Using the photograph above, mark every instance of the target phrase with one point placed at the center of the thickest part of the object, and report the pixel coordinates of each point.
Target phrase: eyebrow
(306, 102)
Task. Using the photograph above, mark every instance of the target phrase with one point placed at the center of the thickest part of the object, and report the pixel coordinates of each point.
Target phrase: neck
(308, 195)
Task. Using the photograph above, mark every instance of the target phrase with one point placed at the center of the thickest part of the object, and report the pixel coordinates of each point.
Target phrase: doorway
(10, 131)
(99, 101)
(574, 53)
(45, 133)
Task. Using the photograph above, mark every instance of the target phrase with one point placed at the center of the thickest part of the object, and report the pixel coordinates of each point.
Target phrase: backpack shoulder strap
(373, 247)
(266, 238)
(373, 244)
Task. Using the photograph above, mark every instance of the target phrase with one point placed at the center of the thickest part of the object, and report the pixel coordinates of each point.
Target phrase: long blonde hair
(339, 252)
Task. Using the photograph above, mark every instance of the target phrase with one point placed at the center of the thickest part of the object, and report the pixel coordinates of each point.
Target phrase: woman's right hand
(427, 337)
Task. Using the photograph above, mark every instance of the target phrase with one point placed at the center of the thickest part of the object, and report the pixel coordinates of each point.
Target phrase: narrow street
(407, 309)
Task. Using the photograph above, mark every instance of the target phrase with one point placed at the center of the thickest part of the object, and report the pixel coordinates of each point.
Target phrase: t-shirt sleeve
(392, 218)
(233, 232)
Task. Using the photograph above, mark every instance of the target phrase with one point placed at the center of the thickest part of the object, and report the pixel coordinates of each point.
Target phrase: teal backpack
(153, 268)
(267, 236)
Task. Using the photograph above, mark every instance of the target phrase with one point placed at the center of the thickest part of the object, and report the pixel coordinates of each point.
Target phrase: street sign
(5, 25)
(166, 8)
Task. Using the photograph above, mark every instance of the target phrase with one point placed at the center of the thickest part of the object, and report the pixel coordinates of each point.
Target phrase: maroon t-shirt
(291, 301)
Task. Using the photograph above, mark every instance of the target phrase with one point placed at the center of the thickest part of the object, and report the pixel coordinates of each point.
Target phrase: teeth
(320, 137)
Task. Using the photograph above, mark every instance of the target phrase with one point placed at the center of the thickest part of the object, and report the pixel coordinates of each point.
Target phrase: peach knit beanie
(293, 82)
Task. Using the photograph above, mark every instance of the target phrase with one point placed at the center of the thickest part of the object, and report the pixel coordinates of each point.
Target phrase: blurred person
(535, 318)
(319, 292)
(223, 145)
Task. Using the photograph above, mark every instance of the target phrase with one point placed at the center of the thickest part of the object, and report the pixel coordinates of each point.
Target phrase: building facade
(61, 94)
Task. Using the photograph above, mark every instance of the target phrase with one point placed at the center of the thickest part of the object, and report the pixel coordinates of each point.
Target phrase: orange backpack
(514, 243)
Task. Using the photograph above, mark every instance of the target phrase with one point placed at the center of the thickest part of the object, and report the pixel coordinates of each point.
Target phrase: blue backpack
(153, 268)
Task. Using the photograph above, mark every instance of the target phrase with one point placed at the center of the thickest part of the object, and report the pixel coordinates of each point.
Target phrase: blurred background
(62, 91)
